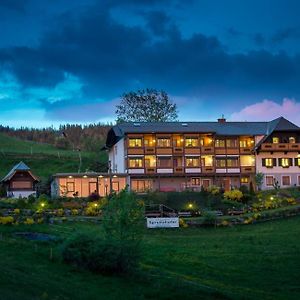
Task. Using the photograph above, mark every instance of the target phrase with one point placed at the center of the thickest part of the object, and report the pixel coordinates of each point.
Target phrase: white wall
(277, 172)
(117, 157)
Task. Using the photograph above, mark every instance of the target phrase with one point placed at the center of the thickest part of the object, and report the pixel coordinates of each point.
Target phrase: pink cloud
(268, 110)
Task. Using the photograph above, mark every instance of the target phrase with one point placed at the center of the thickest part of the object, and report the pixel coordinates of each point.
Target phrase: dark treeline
(70, 136)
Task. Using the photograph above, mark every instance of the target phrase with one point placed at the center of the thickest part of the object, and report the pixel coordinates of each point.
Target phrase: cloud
(268, 110)
(284, 34)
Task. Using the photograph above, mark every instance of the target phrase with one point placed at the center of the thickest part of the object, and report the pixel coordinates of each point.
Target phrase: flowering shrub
(214, 190)
(74, 212)
(16, 211)
(60, 212)
(6, 220)
(182, 223)
(28, 221)
(235, 195)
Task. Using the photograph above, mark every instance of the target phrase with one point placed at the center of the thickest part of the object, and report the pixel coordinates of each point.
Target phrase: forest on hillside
(70, 136)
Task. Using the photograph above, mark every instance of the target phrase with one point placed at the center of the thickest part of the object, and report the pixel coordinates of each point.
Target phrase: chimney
(222, 119)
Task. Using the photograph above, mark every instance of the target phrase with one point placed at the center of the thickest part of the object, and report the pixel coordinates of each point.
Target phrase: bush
(119, 250)
(6, 220)
(236, 195)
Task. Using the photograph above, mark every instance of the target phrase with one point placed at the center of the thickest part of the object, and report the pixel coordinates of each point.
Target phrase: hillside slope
(45, 159)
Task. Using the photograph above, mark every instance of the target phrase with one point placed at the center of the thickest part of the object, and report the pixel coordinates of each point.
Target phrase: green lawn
(43, 159)
(259, 261)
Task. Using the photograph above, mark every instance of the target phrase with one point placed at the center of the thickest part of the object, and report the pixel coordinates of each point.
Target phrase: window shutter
(274, 162)
(263, 162)
(290, 162)
(279, 162)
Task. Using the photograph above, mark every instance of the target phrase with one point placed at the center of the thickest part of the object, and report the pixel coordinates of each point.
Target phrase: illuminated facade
(175, 156)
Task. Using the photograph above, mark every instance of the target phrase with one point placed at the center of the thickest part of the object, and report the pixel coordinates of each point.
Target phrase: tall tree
(147, 105)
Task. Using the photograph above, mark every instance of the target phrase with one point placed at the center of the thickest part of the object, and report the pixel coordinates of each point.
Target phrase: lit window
(247, 160)
(286, 180)
(247, 143)
(245, 180)
(232, 162)
(297, 161)
(195, 181)
(275, 140)
(135, 142)
(231, 143)
(135, 163)
(269, 162)
(141, 185)
(220, 143)
(292, 140)
(150, 161)
(178, 141)
(207, 142)
(220, 163)
(192, 162)
(163, 142)
(269, 180)
(207, 161)
(285, 162)
(191, 142)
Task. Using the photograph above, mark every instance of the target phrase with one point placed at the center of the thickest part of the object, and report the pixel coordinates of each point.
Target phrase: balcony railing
(280, 147)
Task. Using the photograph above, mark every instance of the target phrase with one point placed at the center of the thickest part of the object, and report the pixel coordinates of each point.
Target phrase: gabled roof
(21, 166)
(118, 131)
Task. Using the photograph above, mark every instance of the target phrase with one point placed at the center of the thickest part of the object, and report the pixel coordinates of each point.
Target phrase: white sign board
(162, 222)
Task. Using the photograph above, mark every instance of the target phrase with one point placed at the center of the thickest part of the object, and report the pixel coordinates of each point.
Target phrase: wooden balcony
(149, 150)
(295, 147)
(150, 170)
(247, 170)
(165, 151)
(220, 150)
(207, 150)
(245, 150)
(195, 151)
(178, 150)
(232, 151)
(208, 170)
(280, 147)
(178, 170)
(135, 151)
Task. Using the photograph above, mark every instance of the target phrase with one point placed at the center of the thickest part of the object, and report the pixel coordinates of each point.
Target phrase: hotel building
(174, 156)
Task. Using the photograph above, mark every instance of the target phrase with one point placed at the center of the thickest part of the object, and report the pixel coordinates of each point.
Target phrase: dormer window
(292, 140)
(275, 140)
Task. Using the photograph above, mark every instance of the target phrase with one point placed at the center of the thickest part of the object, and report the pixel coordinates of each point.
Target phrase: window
(269, 180)
(247, 160)
(246, 143)
(135, 162)
(150, 161)
(275, 140)
(220, 162)
(149, 141)
(191, 142)
(284, 162)
(244, 180)
(269, 162)
(231, 143)
(141, 185)
(207, 141)
(297, 161)
(70, 187)
(286, 180)
(220, 143)
(207, 161)
(195, 181)
(232, 162)
(192, 162)
(115, 186)
(135, 142)
(164, 162)
(206, 183)
(163, 142)
(178, 141)
(178, 162)
(292, 140)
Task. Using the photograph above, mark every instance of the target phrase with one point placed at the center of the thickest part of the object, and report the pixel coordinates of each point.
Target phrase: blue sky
(70, 61)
